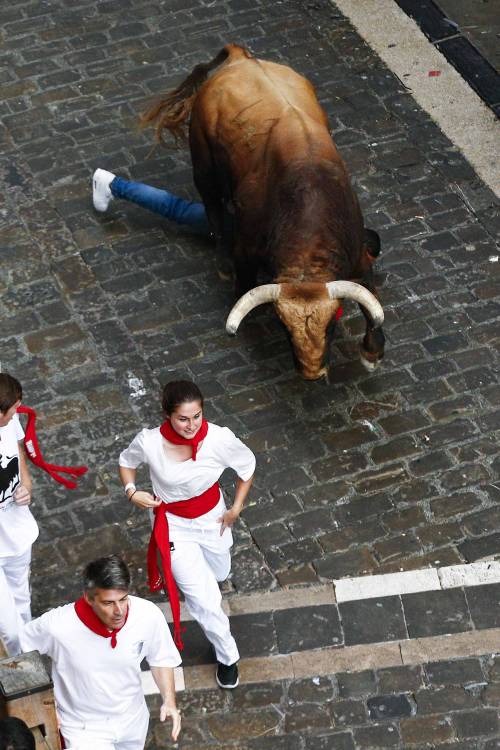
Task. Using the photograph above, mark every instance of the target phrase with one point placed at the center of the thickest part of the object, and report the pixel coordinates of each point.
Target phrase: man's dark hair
(106, 573)
(179, 392)
(15, 735)
(10, 391)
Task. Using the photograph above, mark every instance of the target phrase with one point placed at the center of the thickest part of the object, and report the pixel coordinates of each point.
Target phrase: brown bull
(273, 182)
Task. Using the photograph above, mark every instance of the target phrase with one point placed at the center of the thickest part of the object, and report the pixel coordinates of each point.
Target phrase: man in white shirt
(96, 645)
(18, 528)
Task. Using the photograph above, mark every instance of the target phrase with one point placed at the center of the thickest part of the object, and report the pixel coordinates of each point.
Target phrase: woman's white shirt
(174, 481)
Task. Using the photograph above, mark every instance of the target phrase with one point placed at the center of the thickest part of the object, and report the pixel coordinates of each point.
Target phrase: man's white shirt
(96, 685)
(18, 528)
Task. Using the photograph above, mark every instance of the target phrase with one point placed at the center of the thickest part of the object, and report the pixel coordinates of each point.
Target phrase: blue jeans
(162, 202)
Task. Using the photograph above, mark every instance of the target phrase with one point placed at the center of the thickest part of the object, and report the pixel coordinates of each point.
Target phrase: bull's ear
(372, 244)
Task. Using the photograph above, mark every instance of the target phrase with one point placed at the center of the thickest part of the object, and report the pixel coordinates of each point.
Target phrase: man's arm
(22, 494)
(36, 635)
(164, 678)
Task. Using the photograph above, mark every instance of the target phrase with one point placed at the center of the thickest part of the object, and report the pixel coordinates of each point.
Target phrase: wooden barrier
(26, 692)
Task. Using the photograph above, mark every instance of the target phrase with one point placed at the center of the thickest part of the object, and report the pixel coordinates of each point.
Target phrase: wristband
(129, 486)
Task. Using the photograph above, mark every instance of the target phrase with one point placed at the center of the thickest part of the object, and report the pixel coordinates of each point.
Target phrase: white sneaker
(101, 192)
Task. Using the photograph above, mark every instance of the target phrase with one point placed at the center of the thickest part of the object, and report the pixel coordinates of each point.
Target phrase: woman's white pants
(197, 568)
(15, 608)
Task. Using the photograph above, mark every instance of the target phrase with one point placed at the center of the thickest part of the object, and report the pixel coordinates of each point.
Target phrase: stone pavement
(363, 473)
(442, 705)
(359, 474)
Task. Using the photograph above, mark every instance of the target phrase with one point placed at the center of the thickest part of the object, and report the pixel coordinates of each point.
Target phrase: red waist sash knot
(160, 542)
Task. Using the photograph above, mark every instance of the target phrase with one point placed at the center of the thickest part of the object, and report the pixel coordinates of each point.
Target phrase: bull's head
(307, 310)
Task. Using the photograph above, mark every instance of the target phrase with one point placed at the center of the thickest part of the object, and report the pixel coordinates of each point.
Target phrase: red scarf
(172, 436)
(35, 454)
(160, 542)
(338, 314)
(89, 618)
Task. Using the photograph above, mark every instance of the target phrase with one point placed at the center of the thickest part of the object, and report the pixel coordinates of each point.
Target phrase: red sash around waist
(160, 542)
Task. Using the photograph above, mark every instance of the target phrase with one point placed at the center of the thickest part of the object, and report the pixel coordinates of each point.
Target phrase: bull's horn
(257, 296)
(351, 290)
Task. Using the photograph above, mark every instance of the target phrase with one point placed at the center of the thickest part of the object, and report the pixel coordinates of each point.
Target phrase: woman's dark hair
(10, 391)
(106, 573)
(179, 392)
(15, 735)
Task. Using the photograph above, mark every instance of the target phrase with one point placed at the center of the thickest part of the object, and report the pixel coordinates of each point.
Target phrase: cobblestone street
(357, 474)
(444, 705)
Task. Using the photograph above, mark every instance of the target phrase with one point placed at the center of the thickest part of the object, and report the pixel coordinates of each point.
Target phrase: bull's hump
(275, 87)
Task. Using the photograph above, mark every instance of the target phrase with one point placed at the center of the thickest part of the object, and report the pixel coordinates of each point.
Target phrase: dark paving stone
(398, 679)
(389, 707)
(373, 620)
(436, 612)
(378, 735)
(484, 605)
(426, 730)
(475, 549)
(335, 741)
(308, 627)
(441, 700)
(348, 712)
(355, 684)
(476, 723)
(254, 634)
(461, 671)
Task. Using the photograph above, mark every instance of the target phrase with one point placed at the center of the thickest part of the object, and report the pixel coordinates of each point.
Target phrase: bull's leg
(212, 201)
(246, 274)
(372, 348)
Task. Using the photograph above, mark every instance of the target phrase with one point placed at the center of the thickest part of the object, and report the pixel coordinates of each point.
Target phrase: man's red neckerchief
(35, 454)
(89, 618)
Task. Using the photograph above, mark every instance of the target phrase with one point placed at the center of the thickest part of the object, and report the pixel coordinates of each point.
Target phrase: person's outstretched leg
(106, 186)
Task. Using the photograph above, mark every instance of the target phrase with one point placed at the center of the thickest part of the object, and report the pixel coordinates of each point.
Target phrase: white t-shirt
(18, 528)
(181, 480)
(95, 684)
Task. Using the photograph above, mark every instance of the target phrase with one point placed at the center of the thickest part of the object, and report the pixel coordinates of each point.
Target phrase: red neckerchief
(160, 542)
(89, 618)
(35, 454)
(338, 314)
(172, 436)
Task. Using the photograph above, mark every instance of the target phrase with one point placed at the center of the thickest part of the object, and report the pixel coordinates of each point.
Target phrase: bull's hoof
(369, 364)
(316, 375)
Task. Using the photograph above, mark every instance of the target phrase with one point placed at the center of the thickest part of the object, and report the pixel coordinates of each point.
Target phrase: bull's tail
(172, 111)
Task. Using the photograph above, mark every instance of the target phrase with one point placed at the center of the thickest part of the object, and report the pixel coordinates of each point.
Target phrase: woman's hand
(227, 520)
(143, 499)
(22, 495)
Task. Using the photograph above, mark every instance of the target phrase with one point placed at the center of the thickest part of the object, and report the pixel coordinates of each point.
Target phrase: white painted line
(411, 581)
(473, 574)
(390, 584)
(457, 109)
(149, 686)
